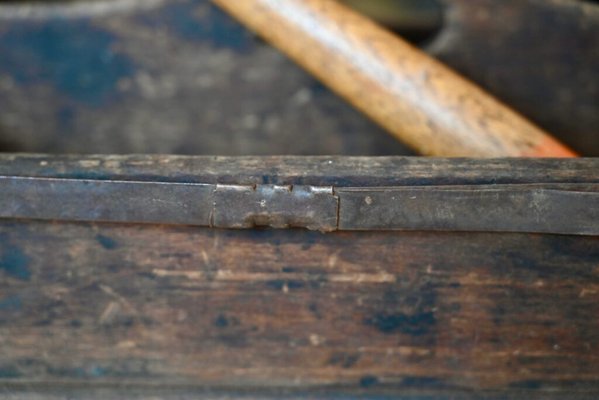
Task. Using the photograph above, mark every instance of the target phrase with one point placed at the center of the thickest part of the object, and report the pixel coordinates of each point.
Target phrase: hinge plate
(274, 206)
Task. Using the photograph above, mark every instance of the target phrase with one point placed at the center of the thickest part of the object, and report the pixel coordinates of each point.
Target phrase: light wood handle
(416, 98)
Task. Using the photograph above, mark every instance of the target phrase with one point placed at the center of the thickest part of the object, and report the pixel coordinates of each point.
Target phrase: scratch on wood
(232, 276)
(108, 290)
(110, 313)
(178, 274)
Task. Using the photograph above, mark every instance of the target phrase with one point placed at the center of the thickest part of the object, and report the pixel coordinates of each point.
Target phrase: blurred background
(181, 77)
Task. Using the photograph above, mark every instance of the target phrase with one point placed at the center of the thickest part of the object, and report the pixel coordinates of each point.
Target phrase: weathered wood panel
(107, 310)
(297, 309)
(206, 86)
(290, 170)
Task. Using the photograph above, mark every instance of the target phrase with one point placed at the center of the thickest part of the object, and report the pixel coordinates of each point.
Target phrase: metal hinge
(299, 206)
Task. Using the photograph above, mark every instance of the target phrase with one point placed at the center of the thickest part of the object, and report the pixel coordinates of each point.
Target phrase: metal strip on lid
(536, 208)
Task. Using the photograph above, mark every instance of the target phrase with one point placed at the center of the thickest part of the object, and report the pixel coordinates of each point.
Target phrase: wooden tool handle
(413, 96)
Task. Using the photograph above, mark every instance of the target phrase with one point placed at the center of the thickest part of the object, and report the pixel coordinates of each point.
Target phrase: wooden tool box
(331, 277)
(93, 309)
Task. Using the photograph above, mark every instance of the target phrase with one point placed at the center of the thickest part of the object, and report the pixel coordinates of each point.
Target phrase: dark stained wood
(382, 312)
(101, 310)
(204, 86)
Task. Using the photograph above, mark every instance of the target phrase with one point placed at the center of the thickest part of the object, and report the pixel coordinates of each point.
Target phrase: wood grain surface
(298, 170)
(416, 98)
(292, 309)
(101, 310)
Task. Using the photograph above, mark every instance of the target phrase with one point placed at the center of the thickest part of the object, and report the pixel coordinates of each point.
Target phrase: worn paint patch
(280, 284)
(199, 21)
(345, 360)
(96, 371)
(231, 332)
(527, 384)
(92, 371)
(10, 303)
(417, 324)
(422, 382)
(15, 263)
(314, 310)
(107, 242)
(407, 308)
(9, 372)
(223, 321)
(368, 381)
(74, 56)
(75, 323)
